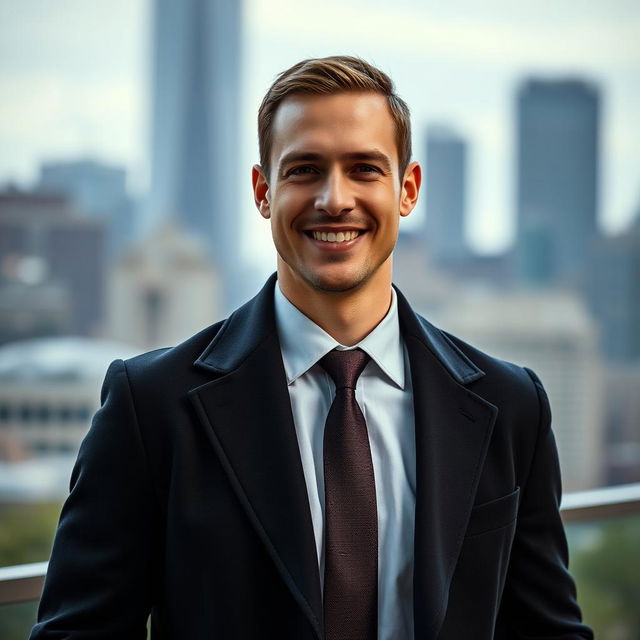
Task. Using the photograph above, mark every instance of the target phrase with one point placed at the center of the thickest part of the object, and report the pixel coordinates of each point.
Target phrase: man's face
(334, 195)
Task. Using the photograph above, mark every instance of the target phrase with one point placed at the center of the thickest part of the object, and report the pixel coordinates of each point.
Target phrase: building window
(5, 413)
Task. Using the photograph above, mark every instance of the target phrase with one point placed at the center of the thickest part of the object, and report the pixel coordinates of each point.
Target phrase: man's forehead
(319, 123)
(321, 108)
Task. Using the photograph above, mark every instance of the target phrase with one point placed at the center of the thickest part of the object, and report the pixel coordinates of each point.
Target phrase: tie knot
(344, 367)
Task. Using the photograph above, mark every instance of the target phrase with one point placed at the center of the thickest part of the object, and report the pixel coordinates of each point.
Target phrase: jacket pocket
(493, 515)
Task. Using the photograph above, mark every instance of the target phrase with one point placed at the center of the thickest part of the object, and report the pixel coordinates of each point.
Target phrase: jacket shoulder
(505, 383)
(171, 364)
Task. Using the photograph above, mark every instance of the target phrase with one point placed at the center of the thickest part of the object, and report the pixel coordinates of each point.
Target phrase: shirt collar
(303, 342)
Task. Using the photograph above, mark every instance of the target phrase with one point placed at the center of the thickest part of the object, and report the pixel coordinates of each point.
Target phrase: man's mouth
(330, 236)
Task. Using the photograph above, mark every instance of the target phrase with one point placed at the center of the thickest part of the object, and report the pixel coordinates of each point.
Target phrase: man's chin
(333, 283)
(332, 279)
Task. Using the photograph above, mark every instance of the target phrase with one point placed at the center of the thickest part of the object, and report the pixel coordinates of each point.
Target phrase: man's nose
(335, 196)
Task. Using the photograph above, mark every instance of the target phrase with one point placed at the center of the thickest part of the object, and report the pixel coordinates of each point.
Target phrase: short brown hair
(324, 76)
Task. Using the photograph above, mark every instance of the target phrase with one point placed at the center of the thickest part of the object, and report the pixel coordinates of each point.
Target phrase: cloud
(51, 114)
(525, 38)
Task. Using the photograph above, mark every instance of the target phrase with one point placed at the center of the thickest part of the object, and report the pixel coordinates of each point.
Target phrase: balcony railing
(601, 504)
(23, 583)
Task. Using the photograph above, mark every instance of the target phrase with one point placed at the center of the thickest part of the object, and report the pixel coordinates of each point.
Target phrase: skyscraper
(98, 190)
(446, 195)
(44, 241)
(613, 292)
(195, 133)
(557, 174)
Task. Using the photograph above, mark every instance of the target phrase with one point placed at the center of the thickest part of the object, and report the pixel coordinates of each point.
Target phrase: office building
(45, 240)
(622, 453)
(49, 390)
(613, 291)
(557, 130)
(446, 170)
(163, 291)
(31, 309)
(97, 189)
(195, 131)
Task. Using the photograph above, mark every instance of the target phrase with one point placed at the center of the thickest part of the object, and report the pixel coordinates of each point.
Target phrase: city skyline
(97, 104)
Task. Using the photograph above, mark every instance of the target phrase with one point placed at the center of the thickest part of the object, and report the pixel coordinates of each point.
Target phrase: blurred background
(127, 136)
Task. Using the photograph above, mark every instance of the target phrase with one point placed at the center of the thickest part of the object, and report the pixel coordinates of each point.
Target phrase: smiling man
(334, 185)
(325, 463)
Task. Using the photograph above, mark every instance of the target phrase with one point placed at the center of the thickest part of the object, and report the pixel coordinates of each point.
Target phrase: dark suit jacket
(188, 498)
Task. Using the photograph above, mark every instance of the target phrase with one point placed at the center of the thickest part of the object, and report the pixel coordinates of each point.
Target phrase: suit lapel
(248, 418)
(453, 429)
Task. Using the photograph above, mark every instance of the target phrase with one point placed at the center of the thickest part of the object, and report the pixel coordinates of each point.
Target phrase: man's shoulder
(490, 364)
(169, 364)
(505, 384)
(499, 381)
(215, 350)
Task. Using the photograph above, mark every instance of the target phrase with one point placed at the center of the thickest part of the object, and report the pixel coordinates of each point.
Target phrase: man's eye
(367, 168)
(301, 171)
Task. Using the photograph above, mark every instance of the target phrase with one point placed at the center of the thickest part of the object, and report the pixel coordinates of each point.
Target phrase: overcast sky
(74, 81)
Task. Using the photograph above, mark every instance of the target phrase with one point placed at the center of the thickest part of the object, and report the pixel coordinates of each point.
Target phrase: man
(323, 463)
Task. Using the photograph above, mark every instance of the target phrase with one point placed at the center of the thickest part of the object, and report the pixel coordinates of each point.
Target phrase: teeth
(341, 236)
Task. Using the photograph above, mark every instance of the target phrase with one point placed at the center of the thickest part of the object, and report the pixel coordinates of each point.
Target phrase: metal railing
(23, 583)
(600, 504)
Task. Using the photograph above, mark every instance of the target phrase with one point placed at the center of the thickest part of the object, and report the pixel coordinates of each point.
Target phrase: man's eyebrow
(371, 156)
(365, 156)
(297, 156)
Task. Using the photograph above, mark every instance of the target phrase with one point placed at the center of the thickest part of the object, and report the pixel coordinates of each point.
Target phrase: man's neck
(347, 316)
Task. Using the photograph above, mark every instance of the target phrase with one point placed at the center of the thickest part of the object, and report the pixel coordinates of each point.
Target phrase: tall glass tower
(446, 195)
(195, 130)
(557, 173)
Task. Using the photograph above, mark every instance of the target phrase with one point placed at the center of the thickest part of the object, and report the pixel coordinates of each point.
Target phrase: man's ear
(410, 188)
(260, 191)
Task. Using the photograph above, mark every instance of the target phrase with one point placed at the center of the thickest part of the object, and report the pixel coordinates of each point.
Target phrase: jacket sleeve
(539, 601)
(101, 572)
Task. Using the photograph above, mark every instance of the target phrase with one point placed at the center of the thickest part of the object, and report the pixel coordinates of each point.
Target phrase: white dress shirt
(385, 395)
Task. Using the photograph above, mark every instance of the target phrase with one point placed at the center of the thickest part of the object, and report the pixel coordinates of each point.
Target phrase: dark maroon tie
(351, 521)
